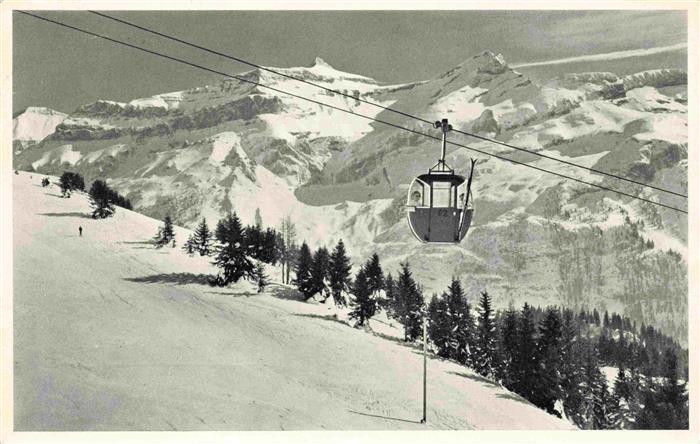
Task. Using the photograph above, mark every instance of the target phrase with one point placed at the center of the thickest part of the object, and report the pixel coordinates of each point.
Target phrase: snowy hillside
(234, 146)
(113, 334)
(33, 125)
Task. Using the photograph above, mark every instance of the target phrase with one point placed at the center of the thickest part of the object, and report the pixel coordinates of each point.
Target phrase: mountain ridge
(342, 176)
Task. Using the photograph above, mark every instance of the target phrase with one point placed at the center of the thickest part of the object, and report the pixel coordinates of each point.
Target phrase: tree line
(552, 357)
(238, 251)
(103, 199)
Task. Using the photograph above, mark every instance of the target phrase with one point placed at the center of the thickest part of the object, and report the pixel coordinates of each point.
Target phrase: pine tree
(45, 182)
(604, 412)
(99, 200)
(508, 345)
(191, 245)
(651, 415)
(594, 413)
(166, 234)
(375, 275)
(673, 393)
(484, 349)
(362, 303)
(71, 181)
(339, 274)
(460, 323)
(625, 399)
(231, 255)
(269, 253)
(303, 271)
(438, 327)
(570, 366)
(64, 183)
(548, 378)
(202, 238)
(320, 272)
(254, 241)
(261, 277)
(410, 303)
(526, 356)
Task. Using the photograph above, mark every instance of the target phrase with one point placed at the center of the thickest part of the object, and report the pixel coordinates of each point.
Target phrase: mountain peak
(319, 62)
(488, 57)
(42, 111)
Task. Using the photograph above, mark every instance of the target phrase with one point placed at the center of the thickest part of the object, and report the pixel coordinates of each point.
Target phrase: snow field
(113, 334)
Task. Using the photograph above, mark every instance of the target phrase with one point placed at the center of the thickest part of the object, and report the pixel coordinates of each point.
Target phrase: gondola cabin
(439, 206)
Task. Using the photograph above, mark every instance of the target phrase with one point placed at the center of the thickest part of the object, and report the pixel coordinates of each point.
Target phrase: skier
(80, 231)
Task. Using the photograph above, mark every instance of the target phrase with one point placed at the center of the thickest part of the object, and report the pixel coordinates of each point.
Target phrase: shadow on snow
(475, 377)
(72, 214)
(173, 278)
(385, 417)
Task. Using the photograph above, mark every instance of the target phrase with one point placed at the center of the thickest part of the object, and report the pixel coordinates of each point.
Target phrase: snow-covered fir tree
(508, 346)
(375, 275)
(548, 378)
(231, 257)
(320, 266)
(70, 181)
(254, 241)
(410, 303)
(570, 365)
(485, 337)
(363, 305)
(269, 253)
(339, 274)
(526, 356)
(102, 207)
(303, 271)
(166, 234)
(190, 246)
(202, 238)
(261, 277)
(451, 326)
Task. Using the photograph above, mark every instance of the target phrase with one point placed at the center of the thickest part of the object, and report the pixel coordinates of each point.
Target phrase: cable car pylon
(425, 367)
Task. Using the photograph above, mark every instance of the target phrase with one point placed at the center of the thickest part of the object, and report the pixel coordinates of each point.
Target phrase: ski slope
(112, 334)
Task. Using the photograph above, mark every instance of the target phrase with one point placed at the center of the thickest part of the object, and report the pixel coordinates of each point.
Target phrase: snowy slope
(112, 334)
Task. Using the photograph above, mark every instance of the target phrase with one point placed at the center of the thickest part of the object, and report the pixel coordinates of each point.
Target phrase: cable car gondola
(439, 206)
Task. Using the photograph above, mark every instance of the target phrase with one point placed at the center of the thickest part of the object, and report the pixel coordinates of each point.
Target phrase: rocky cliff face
(32, 125)
(234, 146)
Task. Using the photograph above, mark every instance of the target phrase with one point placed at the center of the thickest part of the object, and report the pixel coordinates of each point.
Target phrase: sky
(62, 69)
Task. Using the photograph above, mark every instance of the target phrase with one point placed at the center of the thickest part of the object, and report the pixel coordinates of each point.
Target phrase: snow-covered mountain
(535, 237)
(134, 339)
(32, 125)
